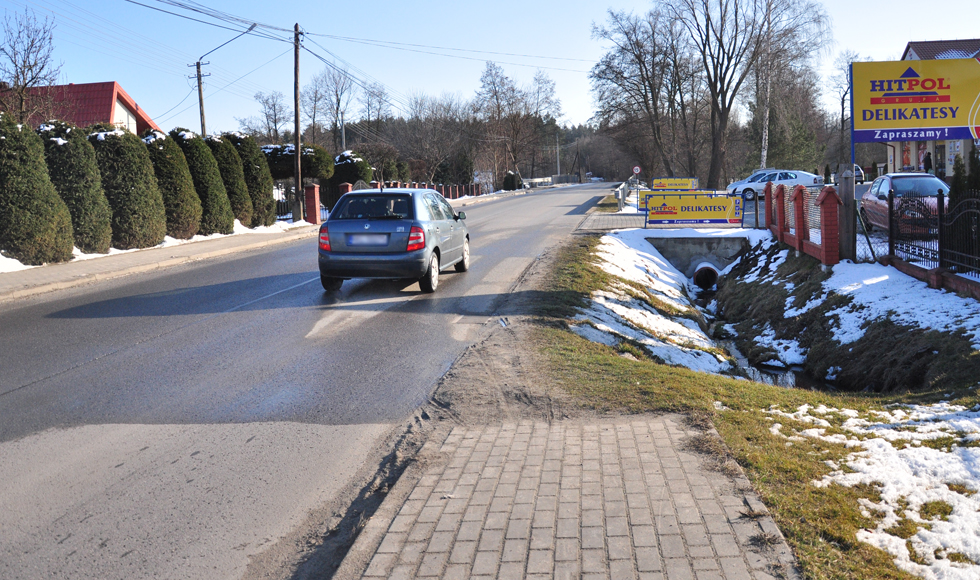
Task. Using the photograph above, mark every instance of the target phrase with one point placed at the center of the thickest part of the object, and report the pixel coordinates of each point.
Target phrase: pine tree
(35, 226)
(258, 178)
(973, 177)
(233, 176)
(75, 174)
(183, 207)
(957, 185)
(138, 217)
(216, 215)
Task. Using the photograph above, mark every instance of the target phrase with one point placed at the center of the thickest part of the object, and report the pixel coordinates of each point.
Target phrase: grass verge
(820, 523)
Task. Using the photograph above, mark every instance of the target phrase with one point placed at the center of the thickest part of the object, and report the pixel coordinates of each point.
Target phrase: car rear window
(374, 207)
(918, 185)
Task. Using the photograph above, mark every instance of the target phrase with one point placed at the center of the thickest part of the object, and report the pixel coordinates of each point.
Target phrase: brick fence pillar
(802, 226)
(828, 201)
(345, 188)
(779, 227)
(312, 194)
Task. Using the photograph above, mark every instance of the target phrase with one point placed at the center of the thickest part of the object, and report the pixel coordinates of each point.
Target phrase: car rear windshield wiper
(396, 216)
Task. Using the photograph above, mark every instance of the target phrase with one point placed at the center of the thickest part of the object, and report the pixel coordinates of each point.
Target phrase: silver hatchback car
(394, 233)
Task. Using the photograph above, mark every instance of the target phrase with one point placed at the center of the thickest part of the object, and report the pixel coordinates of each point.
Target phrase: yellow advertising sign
(681, 183)
(691, 207)
(916, 100)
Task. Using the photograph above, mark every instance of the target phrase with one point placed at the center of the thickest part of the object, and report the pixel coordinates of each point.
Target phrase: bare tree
(315, 100)
(432, 133)
(841, 85)
(27, 65)
(273, 117)
(340, 92)
(727, 34)
(793, 32)
(375, 106)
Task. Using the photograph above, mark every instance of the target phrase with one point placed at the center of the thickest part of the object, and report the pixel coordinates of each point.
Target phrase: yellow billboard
(916, 100)
(681, 183)
(691, 207)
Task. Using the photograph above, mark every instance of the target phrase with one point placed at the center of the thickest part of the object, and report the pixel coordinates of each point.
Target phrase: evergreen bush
(317, 163)
(35, 226)
(826, 174)
(138, 217)
(973, 175)
(404, 171)
(75, 174)
(233, 176)
(258, 178)
(958, 184)
(349, 167)
(180, 201)
(216, 214)
(512, 181)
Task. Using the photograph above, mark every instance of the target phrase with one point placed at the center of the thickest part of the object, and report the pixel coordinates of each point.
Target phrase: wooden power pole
(298, 200)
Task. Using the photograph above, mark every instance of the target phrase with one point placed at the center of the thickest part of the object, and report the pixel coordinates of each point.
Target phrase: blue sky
(147, 51)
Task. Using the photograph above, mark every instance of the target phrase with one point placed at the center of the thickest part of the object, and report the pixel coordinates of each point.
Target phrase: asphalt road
(178, 423)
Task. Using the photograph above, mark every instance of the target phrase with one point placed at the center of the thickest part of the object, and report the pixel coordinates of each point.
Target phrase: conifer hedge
(349, 167)
(180, 201)
(75, 174)
(35, 226)
(258, 179)
(138, 217)
(233, 176)
(216, 214)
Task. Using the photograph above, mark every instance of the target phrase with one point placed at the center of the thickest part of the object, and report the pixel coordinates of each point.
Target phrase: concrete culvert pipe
(705, 275)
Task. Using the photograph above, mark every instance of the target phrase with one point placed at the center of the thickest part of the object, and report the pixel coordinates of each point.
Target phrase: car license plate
(367, 240)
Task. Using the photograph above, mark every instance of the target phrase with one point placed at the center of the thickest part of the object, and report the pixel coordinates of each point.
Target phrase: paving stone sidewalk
(610, 499)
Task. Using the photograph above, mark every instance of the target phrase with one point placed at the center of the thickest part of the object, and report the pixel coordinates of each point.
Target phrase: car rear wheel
(430, 281)
(464, 264)
(748, 194)
(331, 284)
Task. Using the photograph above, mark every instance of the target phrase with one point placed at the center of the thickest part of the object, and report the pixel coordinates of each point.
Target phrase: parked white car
(756, 183)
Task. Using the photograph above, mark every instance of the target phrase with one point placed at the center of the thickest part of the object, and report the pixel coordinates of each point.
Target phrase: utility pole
(557, 153)
(200, 95)
(298, 200)
(343, 133)
(200, 89)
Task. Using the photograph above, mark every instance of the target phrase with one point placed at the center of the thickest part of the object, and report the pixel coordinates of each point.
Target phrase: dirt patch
(503, 377)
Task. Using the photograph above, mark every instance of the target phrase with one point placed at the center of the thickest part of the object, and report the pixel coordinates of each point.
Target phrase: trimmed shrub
(258, 178)
(349, 167)
(75, 174)
(512, 181)
(317, 163)
(180, 201)
(35, 226)
(138, 217)
(233, 176)
(957, 184)
(404, 171)
(826, 173)
(216, 214)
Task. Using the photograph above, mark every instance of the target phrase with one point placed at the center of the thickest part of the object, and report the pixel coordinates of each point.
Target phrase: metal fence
(926, 231)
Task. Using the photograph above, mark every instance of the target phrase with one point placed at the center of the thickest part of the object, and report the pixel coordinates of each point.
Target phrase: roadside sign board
(636, 170)
(675, 183)
(916, 100)
(691, 207)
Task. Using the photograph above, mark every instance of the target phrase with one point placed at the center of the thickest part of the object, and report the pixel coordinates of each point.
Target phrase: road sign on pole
(636, 170)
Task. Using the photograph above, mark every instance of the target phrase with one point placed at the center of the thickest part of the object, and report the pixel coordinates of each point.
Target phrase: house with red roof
(90, 103)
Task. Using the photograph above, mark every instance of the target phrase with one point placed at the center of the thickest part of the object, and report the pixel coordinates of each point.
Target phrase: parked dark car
(395, 233)
(915, 201)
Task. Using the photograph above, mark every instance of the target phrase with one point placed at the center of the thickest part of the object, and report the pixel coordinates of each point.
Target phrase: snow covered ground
(888, 443)
(12, 265)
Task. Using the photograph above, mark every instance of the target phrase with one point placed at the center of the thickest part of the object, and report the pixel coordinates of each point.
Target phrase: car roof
(900, 174)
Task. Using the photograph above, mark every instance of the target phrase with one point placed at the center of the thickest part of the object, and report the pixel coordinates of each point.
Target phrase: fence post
(802, 226)
(312, 194)
(767, 192)
(891, 223)
(846, 220)
(830, 204)
(940, 214)
(780, 199)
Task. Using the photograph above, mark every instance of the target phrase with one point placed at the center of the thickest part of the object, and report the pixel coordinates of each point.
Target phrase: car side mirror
(461, 215)
(882, 197)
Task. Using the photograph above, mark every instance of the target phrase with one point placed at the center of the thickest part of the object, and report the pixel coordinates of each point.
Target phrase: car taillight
(324, 239)
(416, 239)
